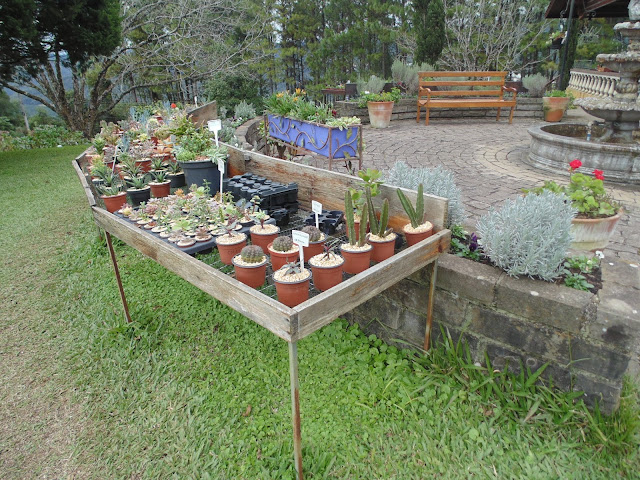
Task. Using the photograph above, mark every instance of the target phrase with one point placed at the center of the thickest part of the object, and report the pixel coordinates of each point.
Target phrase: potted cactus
(382, 240)
(326, 268)
(230, 244)
(251, 266)
(263, 234)
(292, 284)
(418, 229)
(282, 250)
(356, 253)
(316, 242)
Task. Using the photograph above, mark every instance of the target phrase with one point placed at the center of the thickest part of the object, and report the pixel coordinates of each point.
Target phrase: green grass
(193, 389)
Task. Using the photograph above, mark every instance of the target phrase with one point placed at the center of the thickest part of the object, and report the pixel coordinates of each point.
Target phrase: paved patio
(487, 159)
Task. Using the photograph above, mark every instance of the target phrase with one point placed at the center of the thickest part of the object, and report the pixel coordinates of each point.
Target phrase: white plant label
(316, 207)
(195, 99)
(221, 165)
(302, 240)
(215, 126)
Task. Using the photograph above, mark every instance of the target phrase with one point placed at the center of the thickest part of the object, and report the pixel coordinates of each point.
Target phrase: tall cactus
(348, 215)
(416, 216)
(362, 234)
(378, 227)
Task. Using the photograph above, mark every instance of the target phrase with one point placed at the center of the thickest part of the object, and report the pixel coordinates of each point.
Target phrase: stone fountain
(613, 145)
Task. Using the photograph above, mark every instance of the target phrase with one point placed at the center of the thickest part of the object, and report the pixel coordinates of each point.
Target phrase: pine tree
(429, 27)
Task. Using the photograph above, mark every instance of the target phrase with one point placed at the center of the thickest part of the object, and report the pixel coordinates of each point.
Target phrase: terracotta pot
(554, 108)
(253, 275)
(159, 190)
(313, 249)
(278, 259)
(326, 277)
(413, 238)
(228, 251)
(263, 240)
(380, 113)
(292, 293)
(593, 233)
(356, 262)
(145, 165)
(113, 203)
(382, 250)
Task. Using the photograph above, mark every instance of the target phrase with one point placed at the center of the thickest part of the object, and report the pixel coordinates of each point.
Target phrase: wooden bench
(435, 91)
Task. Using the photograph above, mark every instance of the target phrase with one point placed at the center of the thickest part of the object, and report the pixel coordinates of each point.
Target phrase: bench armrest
(510, 89)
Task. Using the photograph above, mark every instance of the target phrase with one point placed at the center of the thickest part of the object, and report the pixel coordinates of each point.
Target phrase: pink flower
(173, 105)
(599, 174)
(575, 164)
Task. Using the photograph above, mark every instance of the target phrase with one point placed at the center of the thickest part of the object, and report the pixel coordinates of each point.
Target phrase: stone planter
(593, 233)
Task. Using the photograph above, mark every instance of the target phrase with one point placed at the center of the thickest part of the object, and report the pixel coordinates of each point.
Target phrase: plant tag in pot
(215, 126)
(302, 240)
(316, 207)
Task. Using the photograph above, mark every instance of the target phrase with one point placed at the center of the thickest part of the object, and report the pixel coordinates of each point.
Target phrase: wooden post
(114, 262)
(295, 408)
(433, 271)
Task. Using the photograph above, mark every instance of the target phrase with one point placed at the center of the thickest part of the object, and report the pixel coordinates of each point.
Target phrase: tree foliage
(429, 25)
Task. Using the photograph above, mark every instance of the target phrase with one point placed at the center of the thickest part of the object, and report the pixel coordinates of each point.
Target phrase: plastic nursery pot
(252, 275)
(263, 240)
(177, 180)
(292, 293)
(229, 250)
(355, 261)
(113, 203)
(415, 237)
(314, 249)
(325, 277)
(139, 195)
(278, 259)
(382, 249)
(159, 190)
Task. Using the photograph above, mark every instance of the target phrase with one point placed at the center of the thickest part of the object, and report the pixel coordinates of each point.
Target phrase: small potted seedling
(231, 243)
(356, 253)
(282, 250)
(113, 195)
(262, 234)
(316, 241)
(418, 229)
(202, 234)
(139, 190)
(381, 238)
(292, 284)
(251, 266)
(161, 186)
(176, 175)
(326, 268)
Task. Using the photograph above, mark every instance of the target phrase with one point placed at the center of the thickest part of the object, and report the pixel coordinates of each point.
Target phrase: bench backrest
(461, 84)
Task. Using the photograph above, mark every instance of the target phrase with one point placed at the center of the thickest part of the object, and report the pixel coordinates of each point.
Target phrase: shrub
(44, 136)
(436, 181)
(373, 85)
(529, 235)
(244, 111)
(407, 75)
(535, 84)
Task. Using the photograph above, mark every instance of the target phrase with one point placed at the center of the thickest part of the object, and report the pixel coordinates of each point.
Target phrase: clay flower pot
(327, 273)
(229, 247)
(416, 235)
(380, 113)
(261, 238)
(554, 108)
(145, 165)
(251, 274)
(113, 203)
(314, 248)
(159, 190)
(593, 233)
(355, 260)
(278, 259)
(383, 248)
(292, 293)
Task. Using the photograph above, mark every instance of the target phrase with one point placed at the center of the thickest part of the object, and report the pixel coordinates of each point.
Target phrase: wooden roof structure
(583, 8)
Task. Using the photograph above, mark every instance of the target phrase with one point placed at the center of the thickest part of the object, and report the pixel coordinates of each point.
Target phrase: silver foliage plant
(436, 181)
(529, 235)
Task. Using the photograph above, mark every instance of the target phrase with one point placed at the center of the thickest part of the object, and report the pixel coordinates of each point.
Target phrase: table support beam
(114, 262)
(295, 408)
(433, 273)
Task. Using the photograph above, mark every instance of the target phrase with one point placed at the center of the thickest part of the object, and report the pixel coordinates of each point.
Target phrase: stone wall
(406, 109)
(590, 341)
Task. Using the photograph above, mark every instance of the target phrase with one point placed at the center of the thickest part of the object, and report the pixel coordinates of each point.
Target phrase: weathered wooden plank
(77, 162)
(271, 314)
(329, 187)
(324, 308)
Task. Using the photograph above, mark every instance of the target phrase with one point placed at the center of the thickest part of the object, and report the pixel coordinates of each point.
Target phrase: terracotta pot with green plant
(316, 242)
(597, 214)
(417, 229)
(263, 234)
(356, 253)
(380, 106)
(554, 104)
(161, 186)
(381, 238)
(230, 244)
(292, 284)
(326, 268)
(251, 266)
(282, 250)
(112, 194)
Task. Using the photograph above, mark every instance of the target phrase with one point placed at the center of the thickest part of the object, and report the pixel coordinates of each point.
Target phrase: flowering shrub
(587, 193)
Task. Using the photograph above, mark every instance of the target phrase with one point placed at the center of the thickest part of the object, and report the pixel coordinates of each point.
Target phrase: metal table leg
(114, 262)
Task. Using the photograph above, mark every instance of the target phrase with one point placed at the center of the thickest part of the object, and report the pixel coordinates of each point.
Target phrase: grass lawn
(193, 389)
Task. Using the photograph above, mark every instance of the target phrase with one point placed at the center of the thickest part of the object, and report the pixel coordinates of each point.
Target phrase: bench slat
(468, 103)
(462, 93)
(462, 74)
(461, 83)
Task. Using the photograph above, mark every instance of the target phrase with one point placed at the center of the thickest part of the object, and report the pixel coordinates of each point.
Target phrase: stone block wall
(589, 341)
(406, 109)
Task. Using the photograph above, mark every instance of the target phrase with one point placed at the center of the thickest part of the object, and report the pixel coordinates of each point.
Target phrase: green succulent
(282, 244)
(314, 234)
(416, 215)
(252, 254)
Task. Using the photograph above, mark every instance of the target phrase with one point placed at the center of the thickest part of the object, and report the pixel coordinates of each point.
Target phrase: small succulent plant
(252, 254)
(282, 244)
(314, 233)
(291, 268)
(328, 249)
(202, 232)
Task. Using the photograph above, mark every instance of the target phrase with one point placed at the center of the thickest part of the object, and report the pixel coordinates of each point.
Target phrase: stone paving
(488, 161)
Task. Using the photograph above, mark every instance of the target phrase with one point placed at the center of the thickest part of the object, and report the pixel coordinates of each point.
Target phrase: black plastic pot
(177, 180)
(198, 171)
(137, 196)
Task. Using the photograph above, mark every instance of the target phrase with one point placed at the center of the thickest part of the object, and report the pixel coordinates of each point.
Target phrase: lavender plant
(528, 236)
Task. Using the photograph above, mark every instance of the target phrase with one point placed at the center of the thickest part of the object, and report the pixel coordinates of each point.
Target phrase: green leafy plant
(464, 245)
(392, 96)
(583, 263)
(139, 182)
(576, 280)
(160, 176)
(416, 215)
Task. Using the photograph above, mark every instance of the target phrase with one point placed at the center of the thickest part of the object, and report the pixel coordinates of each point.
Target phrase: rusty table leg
(433, 268)
(114, 262)
(295, 408)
